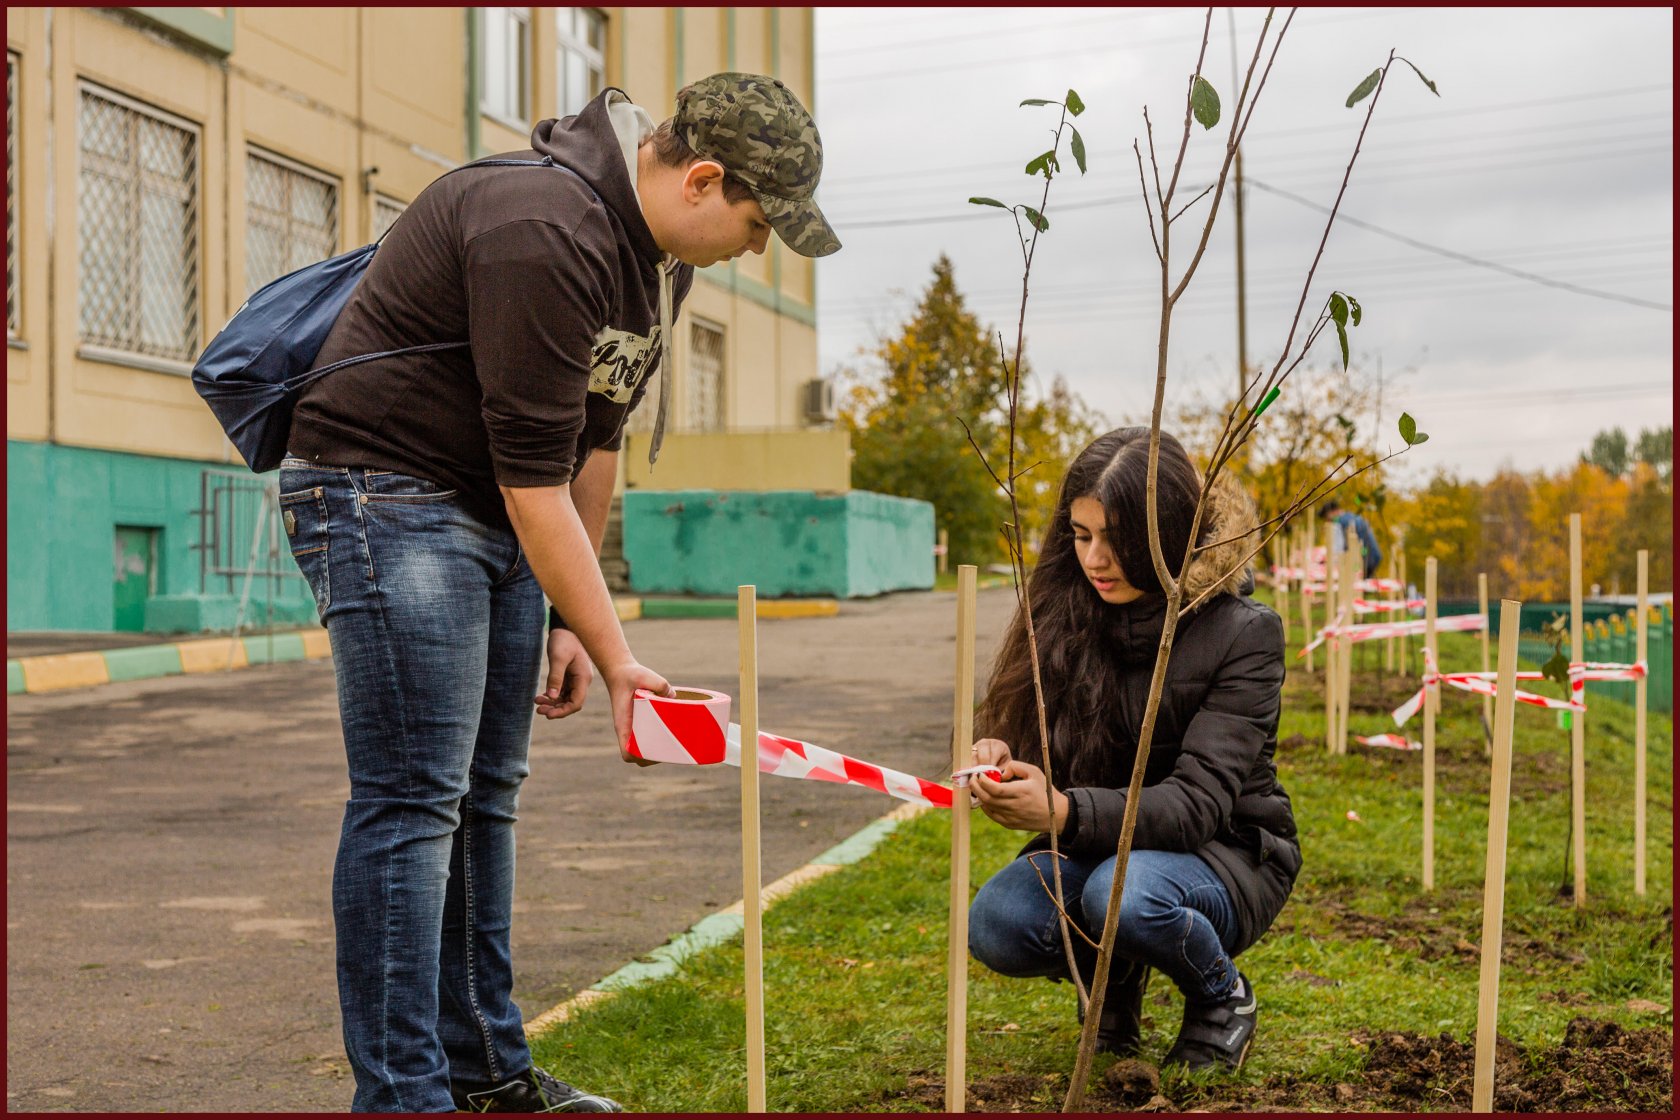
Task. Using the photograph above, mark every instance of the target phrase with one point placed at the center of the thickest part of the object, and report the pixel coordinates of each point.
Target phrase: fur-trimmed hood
(1232, 530)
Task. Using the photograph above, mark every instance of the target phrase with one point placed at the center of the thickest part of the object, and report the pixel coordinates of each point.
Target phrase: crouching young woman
(1214, 856)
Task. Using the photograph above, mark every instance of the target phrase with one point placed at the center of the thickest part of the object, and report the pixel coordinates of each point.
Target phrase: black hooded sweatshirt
(553, 277)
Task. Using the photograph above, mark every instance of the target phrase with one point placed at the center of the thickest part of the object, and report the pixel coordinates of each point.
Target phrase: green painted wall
(787, 542)
(63, 506)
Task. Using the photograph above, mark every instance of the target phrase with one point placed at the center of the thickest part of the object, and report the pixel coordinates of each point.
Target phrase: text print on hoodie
(555, 280)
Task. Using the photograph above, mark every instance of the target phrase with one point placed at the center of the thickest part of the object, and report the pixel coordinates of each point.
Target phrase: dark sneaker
(1121, 1030)
(535, 1090)
(1216, 1034)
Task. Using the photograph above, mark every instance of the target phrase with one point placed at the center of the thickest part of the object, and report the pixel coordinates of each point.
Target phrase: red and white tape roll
(693, 728)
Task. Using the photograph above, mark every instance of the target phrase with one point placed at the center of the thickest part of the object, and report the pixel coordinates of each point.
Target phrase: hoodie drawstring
(664, 373)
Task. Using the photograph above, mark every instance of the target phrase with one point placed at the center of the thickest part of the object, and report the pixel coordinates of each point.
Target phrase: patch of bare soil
(1597, 1067)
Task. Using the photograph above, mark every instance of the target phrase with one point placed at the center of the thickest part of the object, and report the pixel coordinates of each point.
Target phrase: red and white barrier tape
(1482, 683)
(693, 728)
(1388, 739)
(1371, 631)
(1369, 606)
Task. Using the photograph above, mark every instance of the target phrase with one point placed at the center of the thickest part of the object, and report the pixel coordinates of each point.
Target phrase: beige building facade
(165, 162)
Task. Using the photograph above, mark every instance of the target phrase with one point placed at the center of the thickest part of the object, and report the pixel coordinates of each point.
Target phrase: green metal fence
(1614, 638)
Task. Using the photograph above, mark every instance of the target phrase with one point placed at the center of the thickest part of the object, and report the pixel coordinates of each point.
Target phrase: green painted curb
(142, 662)
(859, 843)
(286, 647)
(14, 677)
(688, 608)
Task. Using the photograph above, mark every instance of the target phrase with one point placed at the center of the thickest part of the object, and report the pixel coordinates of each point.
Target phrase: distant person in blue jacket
(1333, 511)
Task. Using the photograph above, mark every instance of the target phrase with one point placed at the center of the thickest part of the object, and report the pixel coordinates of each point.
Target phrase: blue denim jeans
(436, 623)
(1176, 915)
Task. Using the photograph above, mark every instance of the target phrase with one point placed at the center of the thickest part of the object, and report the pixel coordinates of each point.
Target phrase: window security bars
(291, 218)
(138, 221)
(705, 378)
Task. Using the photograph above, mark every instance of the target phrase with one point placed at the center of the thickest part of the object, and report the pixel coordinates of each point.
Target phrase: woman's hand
(990, 752)
(1018, 801)
(622, 682)
(569, 674)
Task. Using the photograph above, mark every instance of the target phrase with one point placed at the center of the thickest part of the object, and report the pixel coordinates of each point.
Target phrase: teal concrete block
(142, 662)
(786, 542)
(217, 614)
(262, 649)
(14, 677)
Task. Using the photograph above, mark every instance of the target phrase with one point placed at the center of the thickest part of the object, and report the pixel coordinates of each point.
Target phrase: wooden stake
(1306, 596)
(1641, 654)
(1353, 567)
(1281, 584)
(1332, 650)
(752, 908)
(1493, 884)
(1405, 584)
(956, 959)
(1487, 701)
(944, 550)
(1431, 700)
(1388, 643)
(1577, 724)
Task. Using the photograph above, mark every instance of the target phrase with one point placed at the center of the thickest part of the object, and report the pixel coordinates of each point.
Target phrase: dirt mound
(1598, 1066)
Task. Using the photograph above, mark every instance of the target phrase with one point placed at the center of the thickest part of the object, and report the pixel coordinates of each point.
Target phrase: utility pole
(1242, 272)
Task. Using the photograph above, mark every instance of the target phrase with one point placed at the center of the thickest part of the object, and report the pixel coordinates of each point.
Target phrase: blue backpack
(254, 369)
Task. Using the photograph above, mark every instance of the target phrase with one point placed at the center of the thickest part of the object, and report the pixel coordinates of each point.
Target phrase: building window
(386, 211)
(705, 378)
(581, 72)
(505, 64)
(12, 312)
(138, 221)
(291, 217)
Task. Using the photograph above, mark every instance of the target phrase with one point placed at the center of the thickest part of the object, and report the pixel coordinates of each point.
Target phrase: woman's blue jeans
(436, 623)
(1176, 915)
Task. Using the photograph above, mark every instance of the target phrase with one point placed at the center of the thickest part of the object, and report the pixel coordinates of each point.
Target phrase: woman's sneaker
(535, 1090)
(1216, 1034)
(1120, 1031)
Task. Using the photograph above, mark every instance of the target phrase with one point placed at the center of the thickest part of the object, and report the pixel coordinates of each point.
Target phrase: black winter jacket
(1210, 786)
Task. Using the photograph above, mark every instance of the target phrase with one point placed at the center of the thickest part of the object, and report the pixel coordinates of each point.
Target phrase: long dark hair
(1071, 622)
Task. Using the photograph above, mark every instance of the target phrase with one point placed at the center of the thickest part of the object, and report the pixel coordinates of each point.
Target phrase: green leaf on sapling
(1078, 145)
(1556, 668)
(1421, 78)
(978, 201)
(1363, 89)
(1204, 102)
(1408, 427)
(1039, 221)
(1076, 106)
(1341, 336)
(1353, 306)
(1036, 101)
(1338, 309)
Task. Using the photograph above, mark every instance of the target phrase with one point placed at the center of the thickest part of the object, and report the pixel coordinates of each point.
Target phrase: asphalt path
(169, 845)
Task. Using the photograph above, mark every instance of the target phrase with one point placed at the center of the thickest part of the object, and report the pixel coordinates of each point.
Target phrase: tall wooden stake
(1332, 648)
(1577, 724)
(956, 958)
(1352, 568)
(1405, 585)
(1306, 596)
(1431, 701)
(1388, 643)
(944, 550)
(1641, 654)
(1487, 701)
(1493, 884)
(1282, 584)
(752, 907)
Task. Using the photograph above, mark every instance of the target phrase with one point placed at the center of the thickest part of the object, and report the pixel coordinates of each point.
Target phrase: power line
(1464, 258)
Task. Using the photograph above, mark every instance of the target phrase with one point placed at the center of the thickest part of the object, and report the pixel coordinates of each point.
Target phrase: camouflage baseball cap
(756, 128)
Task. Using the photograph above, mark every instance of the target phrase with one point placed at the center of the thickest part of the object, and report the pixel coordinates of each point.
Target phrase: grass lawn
(1358, 980)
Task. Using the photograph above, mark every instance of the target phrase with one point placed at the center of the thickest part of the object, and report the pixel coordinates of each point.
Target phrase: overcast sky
(1550, 150)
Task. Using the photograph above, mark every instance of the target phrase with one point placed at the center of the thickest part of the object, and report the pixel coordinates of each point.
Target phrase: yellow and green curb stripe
(55, 672)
